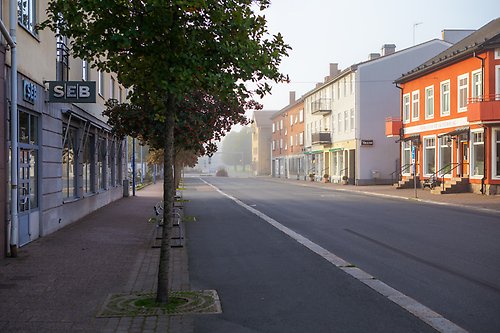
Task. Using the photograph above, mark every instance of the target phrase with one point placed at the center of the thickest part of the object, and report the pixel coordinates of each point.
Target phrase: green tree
(165, 50)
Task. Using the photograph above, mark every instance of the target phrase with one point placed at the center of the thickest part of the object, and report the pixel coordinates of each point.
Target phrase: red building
(450, 117)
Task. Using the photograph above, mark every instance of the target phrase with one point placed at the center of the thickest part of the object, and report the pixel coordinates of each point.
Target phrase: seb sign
(72, 92)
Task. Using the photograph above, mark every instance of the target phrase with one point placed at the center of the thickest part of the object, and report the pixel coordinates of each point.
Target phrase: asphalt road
(446, 258)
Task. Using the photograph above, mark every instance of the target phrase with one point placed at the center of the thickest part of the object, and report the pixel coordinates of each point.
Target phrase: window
(429, 155)
(406, 157)
(429, 102)
(477, 153)
(85, 70)
(111, 88)
(445, 153)
(352, 84)
(101, 164)
(301, 115)
(281, 124)
(477, 85)
(28, 161)
(497, 82)
(339, 122)
(291, 120)
(497, 53)
(345, 86)
(463, 92)
(415, 105)
(338, 89)
(291, 141)
(111, 164)
(26, 11)
(352, 119)
(406, 108)
(346, 120)
(120, 95)
(69, 162)
(281, 143)
(496, 153)
(274, 145)
(100, 83)
(301, 138)
(62, 58)
(445, 98)
(274, 128)
(88, 164)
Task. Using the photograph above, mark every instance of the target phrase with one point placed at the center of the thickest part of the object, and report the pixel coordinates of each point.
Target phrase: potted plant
(311, 176)
(326, 178)
(344, 180)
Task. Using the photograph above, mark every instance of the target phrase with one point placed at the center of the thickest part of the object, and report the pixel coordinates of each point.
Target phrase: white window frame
(497, 53)
(406, 108)
(476, 86)
(339, 122)
(85, 70)
(346, 120)
(281, 124)
(274, 127)
(291, 120)
(100, 83)
(406, 146)
(495, 174)
(429, 102)
(415, 101)
(27, 15)
(301, 115)
(459, 90)
(445, 96)
(440, 155)
(497, 82)
(424, 151)
(473, 144)
(301, 138)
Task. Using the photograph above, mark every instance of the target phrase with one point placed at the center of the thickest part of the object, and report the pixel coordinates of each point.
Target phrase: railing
(399, 173)
(321, 137)
(484, 98)
(451, 166)
(321, 106)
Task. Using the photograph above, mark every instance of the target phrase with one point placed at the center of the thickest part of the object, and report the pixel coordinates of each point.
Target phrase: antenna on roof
(414, 26)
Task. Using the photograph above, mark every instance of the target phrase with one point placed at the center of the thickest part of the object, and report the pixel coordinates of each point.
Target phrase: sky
(321, 32)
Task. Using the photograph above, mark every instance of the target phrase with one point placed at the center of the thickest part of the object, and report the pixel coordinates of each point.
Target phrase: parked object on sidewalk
(430, 182)
(326, 178)
(345, 180)
(221, 173)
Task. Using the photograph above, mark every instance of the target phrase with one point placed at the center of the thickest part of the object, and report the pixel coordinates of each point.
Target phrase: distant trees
(237, 148)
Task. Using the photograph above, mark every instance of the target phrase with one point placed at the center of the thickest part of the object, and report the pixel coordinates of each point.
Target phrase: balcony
(393, 127)
(322, 106)
(321, 138)
(485, 109)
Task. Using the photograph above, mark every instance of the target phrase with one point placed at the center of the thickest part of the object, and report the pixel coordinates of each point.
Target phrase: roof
(288, 107)
(485, 38)
(262, 118)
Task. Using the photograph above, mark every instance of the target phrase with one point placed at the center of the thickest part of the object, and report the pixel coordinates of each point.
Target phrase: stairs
(407, 183)
(453, 185)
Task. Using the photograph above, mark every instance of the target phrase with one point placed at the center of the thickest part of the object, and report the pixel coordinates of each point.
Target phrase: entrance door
(464, 158)
(24, 196)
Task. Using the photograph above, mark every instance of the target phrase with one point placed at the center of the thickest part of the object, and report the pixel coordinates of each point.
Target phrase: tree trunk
(168, 202)
(177, 171)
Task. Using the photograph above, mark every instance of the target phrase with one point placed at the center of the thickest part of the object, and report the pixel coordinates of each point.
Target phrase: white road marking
(432, 318)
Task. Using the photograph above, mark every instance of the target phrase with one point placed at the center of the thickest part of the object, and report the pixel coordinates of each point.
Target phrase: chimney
(388, 49)
(292, 97)
(327, 78)
(319, 84)
(334, 69)
(372, 56)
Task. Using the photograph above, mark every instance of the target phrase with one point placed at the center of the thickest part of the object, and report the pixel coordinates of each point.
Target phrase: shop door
(24, 196)
(464, 159)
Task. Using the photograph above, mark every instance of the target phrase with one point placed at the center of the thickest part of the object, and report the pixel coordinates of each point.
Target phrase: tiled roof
(485, 38)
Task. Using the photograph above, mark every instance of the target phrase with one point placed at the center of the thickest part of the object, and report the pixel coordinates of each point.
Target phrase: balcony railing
(484, 108)
(321, 106)
(321, 138)
(393, 126)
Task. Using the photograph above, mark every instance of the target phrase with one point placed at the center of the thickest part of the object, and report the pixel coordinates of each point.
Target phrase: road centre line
(432, 318)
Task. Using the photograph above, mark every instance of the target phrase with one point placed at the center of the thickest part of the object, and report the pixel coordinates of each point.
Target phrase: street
(445, 258)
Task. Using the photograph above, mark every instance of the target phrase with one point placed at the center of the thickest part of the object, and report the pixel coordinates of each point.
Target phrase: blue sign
(29, 91)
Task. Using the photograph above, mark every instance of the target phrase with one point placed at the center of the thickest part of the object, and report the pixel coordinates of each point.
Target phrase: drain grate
(192, 302)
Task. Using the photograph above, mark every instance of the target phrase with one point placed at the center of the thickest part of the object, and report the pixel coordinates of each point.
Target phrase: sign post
(414, 168)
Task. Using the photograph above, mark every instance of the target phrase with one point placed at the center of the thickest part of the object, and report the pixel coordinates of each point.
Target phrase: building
(3, 157)
(288, 140)
(345, 136)
(68, 162)
(450, 116)
(261, 142)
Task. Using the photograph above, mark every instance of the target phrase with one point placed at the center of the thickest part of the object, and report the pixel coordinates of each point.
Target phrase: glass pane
(478, 159)
(33, 179)
(33, 130)
(24, 127)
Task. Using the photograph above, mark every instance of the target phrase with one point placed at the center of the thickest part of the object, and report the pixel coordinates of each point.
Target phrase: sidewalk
(477, 202)
(59, 282)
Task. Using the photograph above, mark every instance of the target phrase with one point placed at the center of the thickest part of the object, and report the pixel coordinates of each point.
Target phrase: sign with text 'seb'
(72, 91)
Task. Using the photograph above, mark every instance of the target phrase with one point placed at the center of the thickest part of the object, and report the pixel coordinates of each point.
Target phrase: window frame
(429, 102)
(477, 94)
(473, 145)
(444, 96)
(415, 115)
(70, 177)
(461, 87)
(406, 108)
(427, 147)
(32, 17)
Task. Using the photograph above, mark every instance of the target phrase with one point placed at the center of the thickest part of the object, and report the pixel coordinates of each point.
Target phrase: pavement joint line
(427, 315)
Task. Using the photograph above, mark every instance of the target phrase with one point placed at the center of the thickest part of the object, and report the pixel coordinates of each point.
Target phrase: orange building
(287, 147)
(450, 117)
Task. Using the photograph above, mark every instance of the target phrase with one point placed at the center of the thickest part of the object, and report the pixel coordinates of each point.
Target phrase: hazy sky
(345, 32)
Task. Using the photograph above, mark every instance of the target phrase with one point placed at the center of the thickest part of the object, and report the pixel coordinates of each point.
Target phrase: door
(464, 159)
(24, 196)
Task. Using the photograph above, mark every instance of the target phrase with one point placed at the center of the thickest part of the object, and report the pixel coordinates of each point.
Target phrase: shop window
(88, 164)
(101, 163)
(406, 157)
(69, 162)
(496, 156)
(477, 153)
(429, 155)
(445, 151)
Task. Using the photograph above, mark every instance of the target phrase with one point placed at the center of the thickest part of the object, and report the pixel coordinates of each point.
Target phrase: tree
(166, 50)
(237, 147)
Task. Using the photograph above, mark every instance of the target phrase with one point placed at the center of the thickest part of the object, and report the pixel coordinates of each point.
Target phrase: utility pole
(414, 27)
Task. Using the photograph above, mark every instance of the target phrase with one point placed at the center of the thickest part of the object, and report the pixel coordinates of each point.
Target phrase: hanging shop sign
(72, 91)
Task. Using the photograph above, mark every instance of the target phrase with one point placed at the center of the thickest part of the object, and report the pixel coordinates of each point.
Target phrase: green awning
(313, 152)
(335, 149)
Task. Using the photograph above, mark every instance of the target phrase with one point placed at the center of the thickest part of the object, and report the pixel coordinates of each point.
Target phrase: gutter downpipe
(483, 190)
(11, 40)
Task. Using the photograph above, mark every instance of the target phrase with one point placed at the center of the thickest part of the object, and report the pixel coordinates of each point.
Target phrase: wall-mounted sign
(29, 91)
(367, 142)
(72, 92)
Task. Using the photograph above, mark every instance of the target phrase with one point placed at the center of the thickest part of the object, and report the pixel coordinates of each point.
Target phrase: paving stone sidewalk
(59, 282)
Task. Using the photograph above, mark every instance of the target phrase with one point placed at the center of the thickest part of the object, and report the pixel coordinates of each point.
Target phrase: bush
(221, 173)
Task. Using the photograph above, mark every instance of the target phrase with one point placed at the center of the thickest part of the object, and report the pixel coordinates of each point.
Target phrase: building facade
(69, 164)
(261, 142)
(345, 136)
(287, 147)
(450, 116)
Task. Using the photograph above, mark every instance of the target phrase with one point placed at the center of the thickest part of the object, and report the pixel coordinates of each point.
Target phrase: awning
(414, 137)
(335, 149)
(313, 152)
(456, 132)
